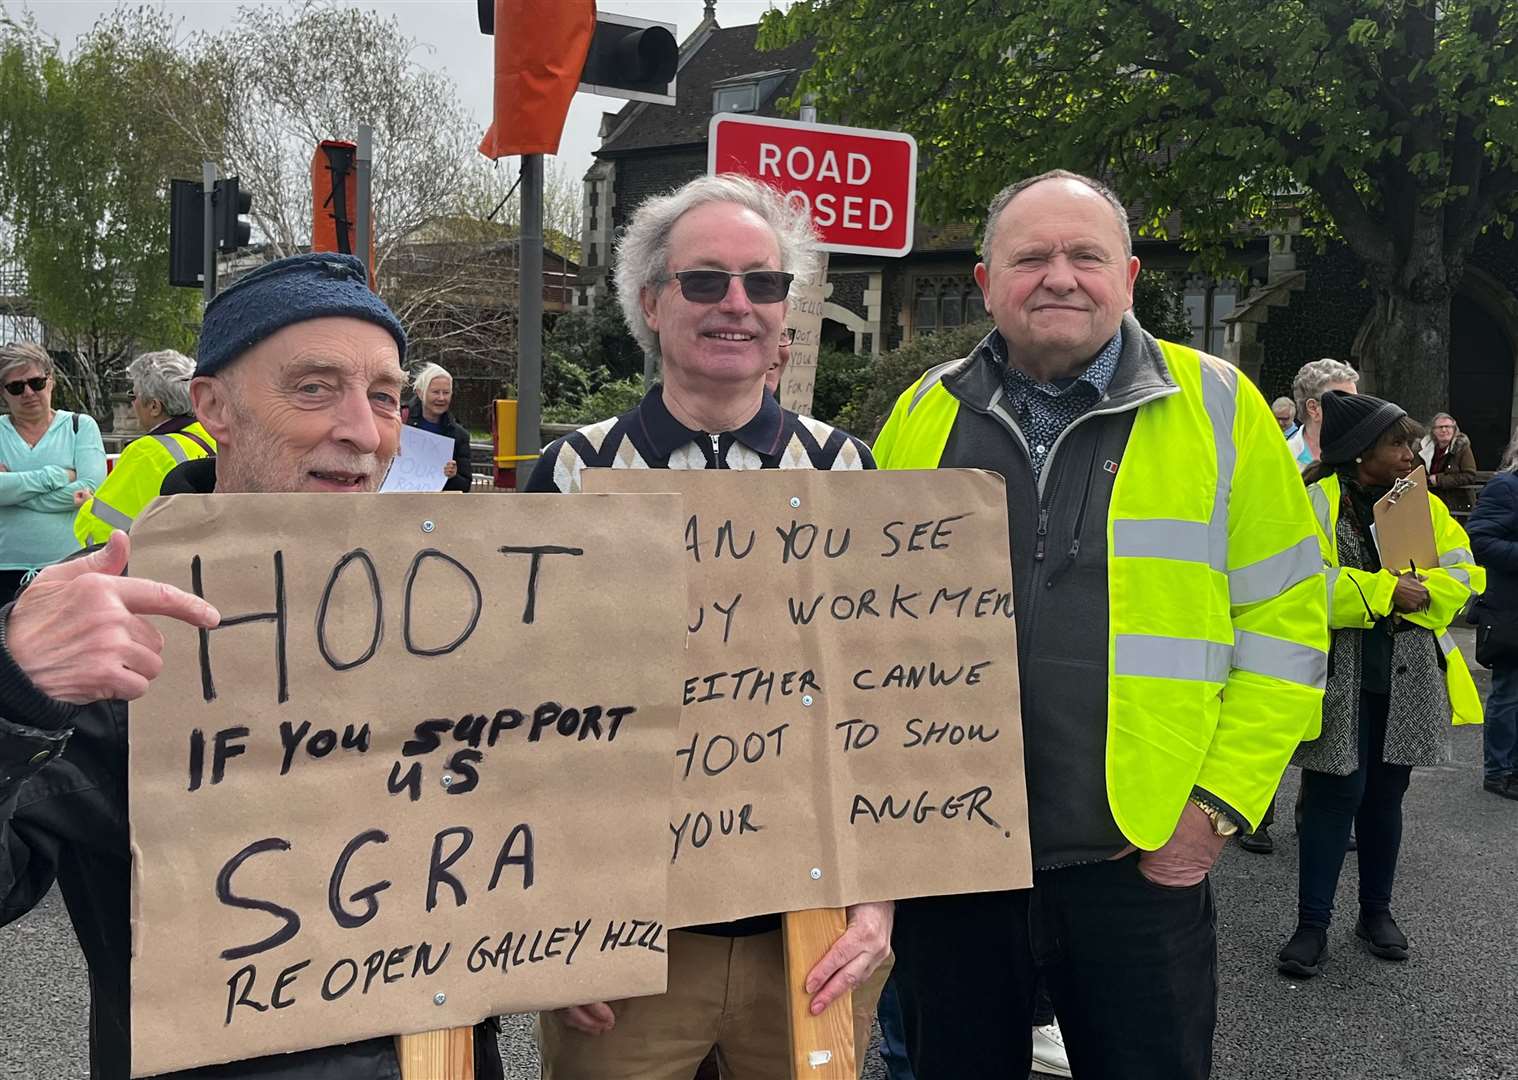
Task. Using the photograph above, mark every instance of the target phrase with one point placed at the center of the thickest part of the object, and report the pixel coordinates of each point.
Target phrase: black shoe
(1258, 841)
(1506, 786)
(1303, 955)
(1381, 936)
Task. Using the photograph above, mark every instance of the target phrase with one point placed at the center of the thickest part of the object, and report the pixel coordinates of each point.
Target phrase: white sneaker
(1049, 1051)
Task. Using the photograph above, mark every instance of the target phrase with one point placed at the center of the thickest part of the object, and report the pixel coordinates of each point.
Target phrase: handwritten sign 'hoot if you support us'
(405, 784)
(850, 728)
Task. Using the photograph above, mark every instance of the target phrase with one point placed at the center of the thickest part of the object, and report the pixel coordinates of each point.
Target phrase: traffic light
(631, 58)
(187, 233)
(538, 53)
(230, 205)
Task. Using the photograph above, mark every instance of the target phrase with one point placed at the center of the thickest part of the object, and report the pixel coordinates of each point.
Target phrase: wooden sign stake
(445, 1054)
(822, 1047)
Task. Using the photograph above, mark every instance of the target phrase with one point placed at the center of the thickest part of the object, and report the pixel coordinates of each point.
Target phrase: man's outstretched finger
(144, 597)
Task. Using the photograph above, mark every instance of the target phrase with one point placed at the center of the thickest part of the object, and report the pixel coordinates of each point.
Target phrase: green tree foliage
(84, 171)
(840, 375)
(1392, 125)
(596, 338)
(1159, 304)
(896, 370)
(609, 399)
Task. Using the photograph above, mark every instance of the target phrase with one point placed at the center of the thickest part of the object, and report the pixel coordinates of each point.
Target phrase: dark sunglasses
(38, 383)
(710, 286)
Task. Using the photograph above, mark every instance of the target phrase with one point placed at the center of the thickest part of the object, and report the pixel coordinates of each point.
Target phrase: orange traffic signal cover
(540, 49)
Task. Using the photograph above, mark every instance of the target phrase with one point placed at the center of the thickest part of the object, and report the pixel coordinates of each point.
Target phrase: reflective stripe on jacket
(1357, 598)
(135, 481)
(1218, 633)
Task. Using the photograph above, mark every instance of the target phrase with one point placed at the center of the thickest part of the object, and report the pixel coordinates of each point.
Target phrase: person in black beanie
(1388, 704)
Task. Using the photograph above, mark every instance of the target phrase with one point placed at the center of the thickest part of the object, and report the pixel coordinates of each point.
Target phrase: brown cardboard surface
(300, 781)
(799, 380)
(872, 790)
(1405, 525)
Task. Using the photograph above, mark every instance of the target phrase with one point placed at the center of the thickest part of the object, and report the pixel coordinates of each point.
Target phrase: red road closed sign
(859, 185)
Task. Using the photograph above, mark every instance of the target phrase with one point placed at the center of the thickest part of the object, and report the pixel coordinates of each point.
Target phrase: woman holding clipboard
(1395, 678)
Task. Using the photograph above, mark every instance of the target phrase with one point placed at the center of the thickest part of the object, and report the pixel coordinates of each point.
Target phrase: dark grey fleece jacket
(1059, 574)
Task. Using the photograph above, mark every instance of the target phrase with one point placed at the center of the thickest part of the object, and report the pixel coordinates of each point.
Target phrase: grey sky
(448, 27)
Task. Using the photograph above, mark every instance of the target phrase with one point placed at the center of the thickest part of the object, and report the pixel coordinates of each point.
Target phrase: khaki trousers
(724, 992)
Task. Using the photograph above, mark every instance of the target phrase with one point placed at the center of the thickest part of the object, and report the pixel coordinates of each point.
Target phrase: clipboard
(1405, 525)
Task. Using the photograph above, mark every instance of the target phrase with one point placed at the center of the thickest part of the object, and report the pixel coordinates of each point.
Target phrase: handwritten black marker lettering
(226, 896)
(279, 617)
(510, 856)
(857, 734)
(437, 866)
(286, 977)
(349, 920)
(474, 611)
(329, 994)
(224, 749)
(238, 994)
(465, 776)
(376, 598)
(529, 609)
(411, 783)
(424, 965)
(197, 757)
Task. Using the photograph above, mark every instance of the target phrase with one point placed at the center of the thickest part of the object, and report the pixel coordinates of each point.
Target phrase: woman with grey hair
(161, 401)
(50, 461)
(429, 410)
(1451, 465)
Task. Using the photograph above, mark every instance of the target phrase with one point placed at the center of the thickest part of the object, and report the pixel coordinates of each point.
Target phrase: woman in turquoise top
(50, 462)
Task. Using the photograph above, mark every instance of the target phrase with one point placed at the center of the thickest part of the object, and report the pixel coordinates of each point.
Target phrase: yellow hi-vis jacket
(1218, 629)
(1357, 598)
(136, 480)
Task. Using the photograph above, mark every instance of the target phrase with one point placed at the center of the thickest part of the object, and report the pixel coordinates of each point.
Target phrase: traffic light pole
(208, 190)
(530, 311)
(362, 161)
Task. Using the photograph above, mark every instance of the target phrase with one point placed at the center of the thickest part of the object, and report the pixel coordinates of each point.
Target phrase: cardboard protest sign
(406, 783)
(419, 465)
(799, 379)
(851, 728)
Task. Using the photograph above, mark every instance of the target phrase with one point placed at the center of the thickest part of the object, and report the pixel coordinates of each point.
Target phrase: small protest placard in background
(798, 381)
(419, 465)
(405, 784)
(851, 728)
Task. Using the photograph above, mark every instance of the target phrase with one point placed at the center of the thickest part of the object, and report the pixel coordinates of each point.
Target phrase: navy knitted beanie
(287, 291)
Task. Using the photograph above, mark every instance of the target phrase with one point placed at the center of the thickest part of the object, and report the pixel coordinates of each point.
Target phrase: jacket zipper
(1080, 519)
(716, 451)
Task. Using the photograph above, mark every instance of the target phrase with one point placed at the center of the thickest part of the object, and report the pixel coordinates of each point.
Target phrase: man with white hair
(1312, 382)
(703, 275)
(161, 400)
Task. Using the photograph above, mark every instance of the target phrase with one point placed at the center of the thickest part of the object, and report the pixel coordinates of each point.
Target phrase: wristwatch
(1222, 824)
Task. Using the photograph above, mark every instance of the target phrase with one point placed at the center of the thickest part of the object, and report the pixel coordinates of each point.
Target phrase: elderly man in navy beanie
(298, 377)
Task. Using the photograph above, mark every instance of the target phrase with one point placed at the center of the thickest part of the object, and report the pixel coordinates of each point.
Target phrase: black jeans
(1131, 966)
(1370, 798)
